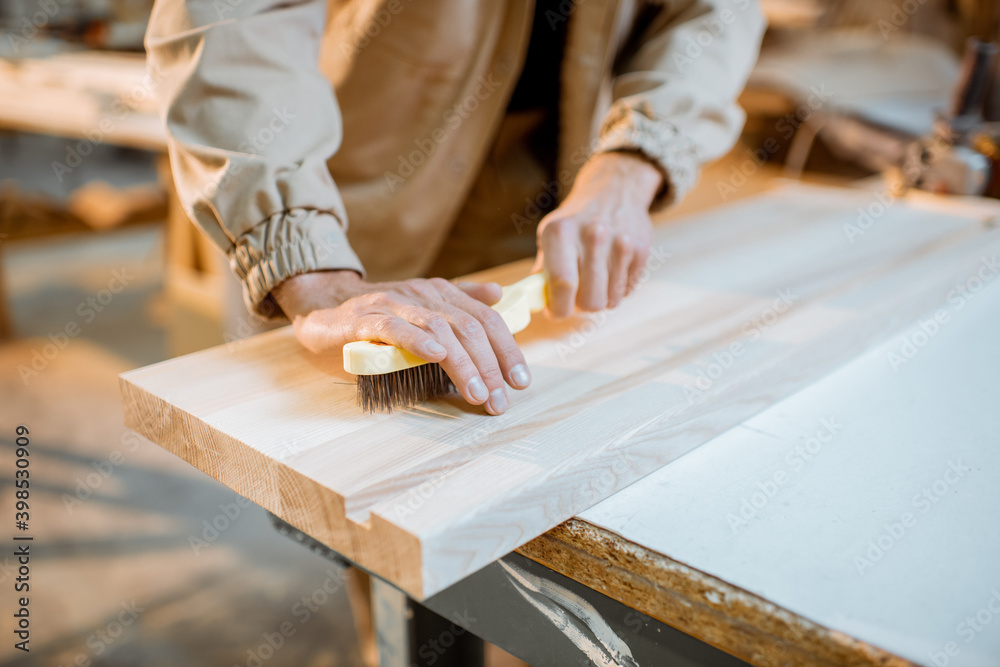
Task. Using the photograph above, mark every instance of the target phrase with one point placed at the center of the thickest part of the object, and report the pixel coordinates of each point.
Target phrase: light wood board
(427, 496)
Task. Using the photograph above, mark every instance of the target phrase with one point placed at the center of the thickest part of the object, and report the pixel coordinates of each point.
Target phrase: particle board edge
(732, 619)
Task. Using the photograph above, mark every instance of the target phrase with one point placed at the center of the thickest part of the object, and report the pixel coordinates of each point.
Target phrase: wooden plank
(742, 306)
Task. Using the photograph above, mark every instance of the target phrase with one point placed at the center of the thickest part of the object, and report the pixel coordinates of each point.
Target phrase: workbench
(834, 507)
(825, 474)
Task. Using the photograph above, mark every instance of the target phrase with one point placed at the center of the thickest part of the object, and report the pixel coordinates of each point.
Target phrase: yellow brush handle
(515, 306)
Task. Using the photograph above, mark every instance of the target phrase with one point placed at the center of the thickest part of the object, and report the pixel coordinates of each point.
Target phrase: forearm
(251, 123)
(675, 97)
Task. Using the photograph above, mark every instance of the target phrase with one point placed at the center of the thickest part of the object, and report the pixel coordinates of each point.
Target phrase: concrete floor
(116, 577)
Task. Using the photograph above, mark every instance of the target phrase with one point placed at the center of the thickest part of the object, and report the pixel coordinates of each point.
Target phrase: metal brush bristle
(401, 389)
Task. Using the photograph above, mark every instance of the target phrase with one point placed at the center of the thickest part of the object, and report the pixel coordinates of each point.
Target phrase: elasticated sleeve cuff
(293, 242)
(626, 129)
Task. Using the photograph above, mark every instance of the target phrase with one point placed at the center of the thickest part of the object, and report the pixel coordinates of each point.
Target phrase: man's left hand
(595, 244)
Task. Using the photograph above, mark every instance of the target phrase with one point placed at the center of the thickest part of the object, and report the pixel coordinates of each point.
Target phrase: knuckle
(385, 299)
(561, 283)
(491, 375)
(468, 325)
(597, 233)
(364, 301)
(464, 368)
(440, 285)
(435, 321)
(419, 289)
(556, 227)
(351, 308)
(492, 319)
(385, 324)
(624, 245)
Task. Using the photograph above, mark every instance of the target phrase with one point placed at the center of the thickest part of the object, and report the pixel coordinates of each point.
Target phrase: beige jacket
(285, 116)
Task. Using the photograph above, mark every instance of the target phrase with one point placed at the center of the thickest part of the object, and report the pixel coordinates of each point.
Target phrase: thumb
(488, 293)
(539, 262)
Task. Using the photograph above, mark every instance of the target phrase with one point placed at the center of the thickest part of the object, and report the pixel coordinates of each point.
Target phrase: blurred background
(101, 272)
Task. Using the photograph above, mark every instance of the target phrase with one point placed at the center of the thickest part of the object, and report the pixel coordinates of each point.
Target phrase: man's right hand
(443, 322)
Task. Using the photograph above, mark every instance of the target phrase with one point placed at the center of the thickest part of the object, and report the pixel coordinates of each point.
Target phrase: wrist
(303, 293)
(630, 172)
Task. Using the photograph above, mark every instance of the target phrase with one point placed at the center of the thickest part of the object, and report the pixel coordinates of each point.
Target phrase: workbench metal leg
(390, 618)
(435, 640)
(409, 634)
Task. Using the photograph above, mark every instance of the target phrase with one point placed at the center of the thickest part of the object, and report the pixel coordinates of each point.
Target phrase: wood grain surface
(740, 307)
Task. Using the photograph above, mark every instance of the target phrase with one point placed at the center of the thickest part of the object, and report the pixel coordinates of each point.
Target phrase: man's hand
(437, 320)
(595, 244)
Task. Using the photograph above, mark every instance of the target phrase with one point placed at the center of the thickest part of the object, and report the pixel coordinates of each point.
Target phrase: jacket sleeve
(674, 93)
(251, 123)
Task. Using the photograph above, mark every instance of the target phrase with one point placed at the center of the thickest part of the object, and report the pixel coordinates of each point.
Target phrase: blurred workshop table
(107, 97)
(88, 95)
(96, 98)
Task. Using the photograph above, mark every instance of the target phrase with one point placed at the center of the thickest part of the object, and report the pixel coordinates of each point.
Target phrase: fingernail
(434, 348)
(520, 376)
(477, 390)
(498, 400)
